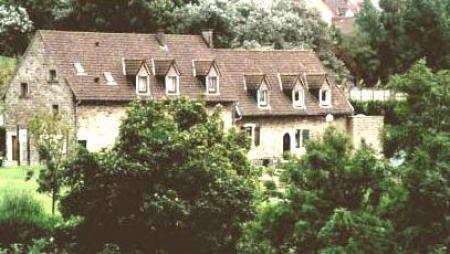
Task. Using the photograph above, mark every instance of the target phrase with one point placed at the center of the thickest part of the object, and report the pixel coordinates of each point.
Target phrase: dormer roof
(132, 66)
(316, 80)
(289, 81)
(162, 66)
(253, 82)
(203, 67)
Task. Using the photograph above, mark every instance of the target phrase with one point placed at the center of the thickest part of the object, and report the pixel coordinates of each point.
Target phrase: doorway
(15, 148)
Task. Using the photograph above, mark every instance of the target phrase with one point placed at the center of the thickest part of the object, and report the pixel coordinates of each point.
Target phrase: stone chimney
(207, 35)
(161, 38)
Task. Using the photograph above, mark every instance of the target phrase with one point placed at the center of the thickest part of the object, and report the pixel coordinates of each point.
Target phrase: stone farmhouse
(281, 98)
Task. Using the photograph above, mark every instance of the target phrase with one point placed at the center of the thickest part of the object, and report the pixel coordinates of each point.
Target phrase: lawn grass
(12, 179)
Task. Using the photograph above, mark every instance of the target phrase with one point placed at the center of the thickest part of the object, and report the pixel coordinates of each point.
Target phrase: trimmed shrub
(22, 219)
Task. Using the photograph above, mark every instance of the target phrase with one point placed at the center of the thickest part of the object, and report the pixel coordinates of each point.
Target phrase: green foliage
(390, 41)
(52, 134)
(378, 108)
(330, 204)
(422, 141)
(15, 26)
(7, 66)
(174, 182)
(22, 219)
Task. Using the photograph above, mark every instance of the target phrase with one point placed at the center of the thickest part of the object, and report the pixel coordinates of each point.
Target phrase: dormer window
(109, 78)
(263, 98)
(79, 69)
(142, 84)
(172, 85)
(325, 97)
(212, 83)
(209, 74)
(298, 97)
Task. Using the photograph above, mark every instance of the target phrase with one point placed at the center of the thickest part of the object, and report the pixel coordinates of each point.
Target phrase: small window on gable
(24, 92)
(52, 75)
(212, 84)
(172, 85)
(263, 98)
(325, 97)
(79, 69)
(55, 109)
(109, 78)
(298, 97)
(142, 84)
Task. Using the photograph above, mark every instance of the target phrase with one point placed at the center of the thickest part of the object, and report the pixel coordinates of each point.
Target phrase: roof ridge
(105, 33)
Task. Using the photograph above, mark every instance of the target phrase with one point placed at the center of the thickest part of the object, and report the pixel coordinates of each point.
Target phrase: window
(142, 84)
(82, 143)
(24, 90)
(109, 78)
(305, 137)
(213, 85)
(79, 69)
(172, 85)
(254, 132)
(263, 98)
(325, 97)
(301, 137)
(55, 109)
(257, 135)
(298, 98)
(52, 75)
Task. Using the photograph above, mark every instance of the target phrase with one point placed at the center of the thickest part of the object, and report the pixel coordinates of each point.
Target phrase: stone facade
(34, 71)
(275, 131)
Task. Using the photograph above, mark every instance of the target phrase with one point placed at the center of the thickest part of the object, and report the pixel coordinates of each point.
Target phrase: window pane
(212, 85)
(142, 84)
(171, 84)
(296, 95)
(297, 138)
(263, 98)
(305, 137)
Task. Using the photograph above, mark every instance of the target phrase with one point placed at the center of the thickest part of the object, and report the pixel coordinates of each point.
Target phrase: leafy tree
(52, 134)
(15, 26)
(390, 41)
(330, 204)
(7, 66)
(255, 24)
(421, 140)
(175, 182)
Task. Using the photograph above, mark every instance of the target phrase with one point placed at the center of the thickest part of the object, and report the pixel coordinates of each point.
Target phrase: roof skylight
(109, 78)
(79, 69)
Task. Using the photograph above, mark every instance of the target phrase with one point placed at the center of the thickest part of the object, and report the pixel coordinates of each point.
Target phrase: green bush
(384, 108)
(22, 219)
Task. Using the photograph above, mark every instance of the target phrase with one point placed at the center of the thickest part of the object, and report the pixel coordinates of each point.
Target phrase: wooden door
(15, 148)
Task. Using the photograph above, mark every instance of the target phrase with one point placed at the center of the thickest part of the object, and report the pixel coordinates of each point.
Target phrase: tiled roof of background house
(106, 52)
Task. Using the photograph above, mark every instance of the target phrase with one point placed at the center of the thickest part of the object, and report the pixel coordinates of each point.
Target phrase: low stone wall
(367, 129)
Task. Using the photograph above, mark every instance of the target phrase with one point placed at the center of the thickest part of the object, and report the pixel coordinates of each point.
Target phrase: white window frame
(148, 84)
(301, 141)
(79, 69)
(217, 84)
(325, 102)
(109, 79)
(300, 103)
(266, 102)
(177, 85)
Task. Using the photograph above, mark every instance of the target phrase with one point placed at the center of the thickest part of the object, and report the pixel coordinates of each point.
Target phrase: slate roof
(132, 66)
(107, 52)
(288, 81)
(315, 80)
(202, 67)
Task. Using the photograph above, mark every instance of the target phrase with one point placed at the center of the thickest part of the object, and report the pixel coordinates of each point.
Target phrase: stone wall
(273, 130)
(33, 69)
(366, 129)
(99, 125)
